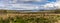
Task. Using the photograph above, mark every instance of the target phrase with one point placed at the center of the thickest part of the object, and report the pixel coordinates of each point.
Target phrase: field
(30, 17)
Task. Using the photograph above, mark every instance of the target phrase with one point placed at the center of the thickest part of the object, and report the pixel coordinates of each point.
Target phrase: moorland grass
(31, 19)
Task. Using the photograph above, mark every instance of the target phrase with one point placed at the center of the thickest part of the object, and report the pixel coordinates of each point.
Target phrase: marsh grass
(30, 19)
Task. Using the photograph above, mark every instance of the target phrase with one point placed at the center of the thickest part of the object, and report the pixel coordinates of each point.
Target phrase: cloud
(33, 0)
(20, 7)
(57, 4)
(51, 5)
(22, 1)
(48, 5)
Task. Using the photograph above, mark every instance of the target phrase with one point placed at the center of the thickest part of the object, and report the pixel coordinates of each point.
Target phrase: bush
(29, 20)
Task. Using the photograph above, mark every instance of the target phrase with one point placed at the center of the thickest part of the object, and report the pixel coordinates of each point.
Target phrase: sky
(29, 4)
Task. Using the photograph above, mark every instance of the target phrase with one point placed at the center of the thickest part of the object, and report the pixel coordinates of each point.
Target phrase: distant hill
(28, 11)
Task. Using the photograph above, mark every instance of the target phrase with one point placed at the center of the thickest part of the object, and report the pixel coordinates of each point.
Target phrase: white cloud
(21, 1)
(15, 1)
(57, 4)
(52, 5)
(34, 0)
(48, 5)
(21, 7)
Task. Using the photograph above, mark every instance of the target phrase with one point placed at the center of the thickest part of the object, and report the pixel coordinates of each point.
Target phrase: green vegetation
(42, 18)
(30, 19)
(57, 11)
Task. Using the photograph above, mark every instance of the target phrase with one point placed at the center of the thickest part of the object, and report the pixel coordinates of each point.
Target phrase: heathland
(11, 16)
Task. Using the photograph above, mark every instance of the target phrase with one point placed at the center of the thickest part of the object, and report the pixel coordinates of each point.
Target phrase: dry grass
(49, 16)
